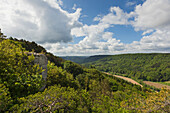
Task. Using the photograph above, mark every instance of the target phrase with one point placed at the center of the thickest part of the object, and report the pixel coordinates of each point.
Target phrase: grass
(165, 83)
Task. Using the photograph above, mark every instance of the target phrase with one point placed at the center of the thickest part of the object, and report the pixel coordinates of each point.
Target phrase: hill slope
(84, 59)
(76, 59)
(70, 87)
(152, 66)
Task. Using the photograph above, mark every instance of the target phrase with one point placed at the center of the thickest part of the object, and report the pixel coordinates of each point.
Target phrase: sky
(89, 27)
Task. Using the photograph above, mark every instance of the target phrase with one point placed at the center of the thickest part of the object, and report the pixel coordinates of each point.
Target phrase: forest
(71, 87)
(145, 66)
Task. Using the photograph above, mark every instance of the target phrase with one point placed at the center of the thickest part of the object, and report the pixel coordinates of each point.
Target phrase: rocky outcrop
(41, 59)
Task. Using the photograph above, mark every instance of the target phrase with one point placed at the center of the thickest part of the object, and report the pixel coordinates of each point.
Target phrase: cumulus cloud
(157, 42)
(96, 41)
(152, 14)
(47, 23)
(116, 16)
(38, 20)
(151, 17)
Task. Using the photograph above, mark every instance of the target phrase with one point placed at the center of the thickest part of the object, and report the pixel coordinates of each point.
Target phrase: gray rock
(42, 61)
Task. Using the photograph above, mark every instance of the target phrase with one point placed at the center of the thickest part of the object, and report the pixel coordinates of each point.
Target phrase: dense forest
(76, 59)
(84, 59)
(145, 66)
(70, 87)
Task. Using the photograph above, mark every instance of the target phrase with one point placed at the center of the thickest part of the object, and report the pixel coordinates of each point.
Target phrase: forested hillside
(84, 59)
(76, 59)
(34, 47)
(70, 87)
(151, 66)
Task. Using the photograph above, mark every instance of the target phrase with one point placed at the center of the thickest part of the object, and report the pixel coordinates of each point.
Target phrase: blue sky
(125, 33)
(89, 27)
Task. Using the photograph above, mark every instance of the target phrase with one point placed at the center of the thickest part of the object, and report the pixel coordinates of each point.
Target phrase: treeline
(70, 87)
(151, 66)
(34, 47)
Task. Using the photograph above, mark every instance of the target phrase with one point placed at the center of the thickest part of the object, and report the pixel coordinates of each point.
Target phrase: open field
(157, 85)
(165, 83)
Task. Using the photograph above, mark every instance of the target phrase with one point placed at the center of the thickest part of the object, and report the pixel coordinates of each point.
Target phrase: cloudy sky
(89, 27)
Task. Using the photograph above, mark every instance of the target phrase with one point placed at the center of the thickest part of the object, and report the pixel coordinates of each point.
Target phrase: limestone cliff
(41, 59)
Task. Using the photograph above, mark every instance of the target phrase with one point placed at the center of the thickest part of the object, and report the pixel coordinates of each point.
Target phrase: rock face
(41, 59)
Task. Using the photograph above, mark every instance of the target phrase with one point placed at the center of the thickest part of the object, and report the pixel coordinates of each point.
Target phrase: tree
(152, 102)
(17, 71)
(5, 98)
(73, 68)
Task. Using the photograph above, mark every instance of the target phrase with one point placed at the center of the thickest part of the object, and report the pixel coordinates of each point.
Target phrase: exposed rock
(41, 59)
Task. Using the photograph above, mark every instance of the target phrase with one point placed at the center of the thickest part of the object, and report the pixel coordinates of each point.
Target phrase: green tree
(73, 68)
(5, 98)
(17, 71)
(54, 99)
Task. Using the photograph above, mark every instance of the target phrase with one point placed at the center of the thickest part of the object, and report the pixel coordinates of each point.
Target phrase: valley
(84, 56)
(71, 87)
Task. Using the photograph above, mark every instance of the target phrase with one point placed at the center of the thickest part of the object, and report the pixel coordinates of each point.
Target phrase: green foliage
(152, 67)
(53, 99)
(29, 46)
(57, 75)
(152, 103)
(73, 88)
(62, 99)
(73, 68)
(165, 83)
(5, 98)
(32, 46)
(56, 60)
(16, 70)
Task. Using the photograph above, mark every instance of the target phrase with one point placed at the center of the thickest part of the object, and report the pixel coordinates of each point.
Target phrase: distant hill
(84, 59)
(76, 59)
(95, 58)
(146, 66)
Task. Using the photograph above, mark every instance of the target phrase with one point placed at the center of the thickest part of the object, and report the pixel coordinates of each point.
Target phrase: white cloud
(129, 4)
(97, 18)
(47, 23)
(96, 41)
(116, 16)
(152, 17)
(107, 35)
(157, 42)
(152, 14)
(156, 35)
(147, 31)
(38, 20)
